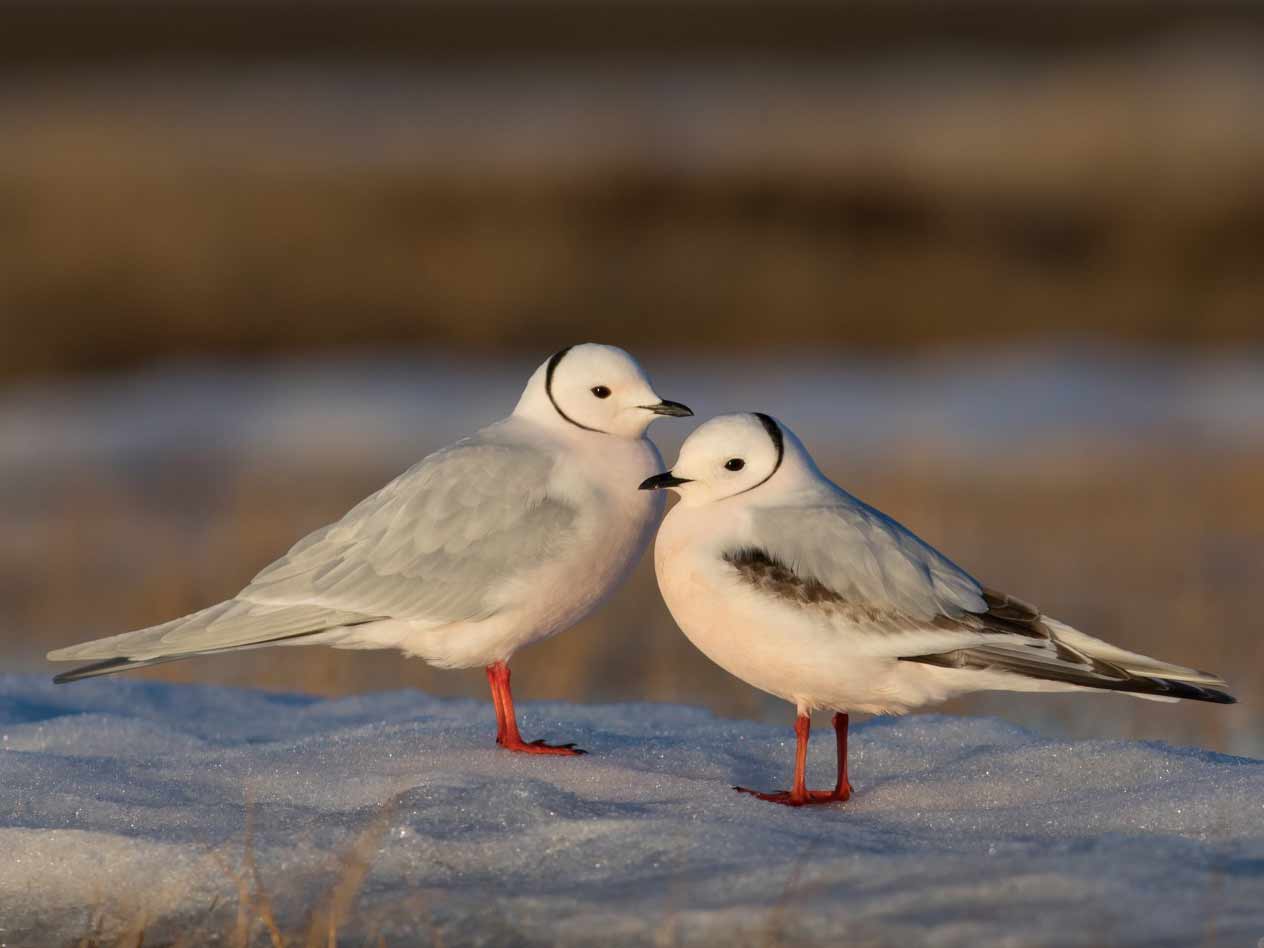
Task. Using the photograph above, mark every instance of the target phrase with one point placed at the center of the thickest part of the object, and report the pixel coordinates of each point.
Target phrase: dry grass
(1119, 197)
(862, 260)
(254, 920)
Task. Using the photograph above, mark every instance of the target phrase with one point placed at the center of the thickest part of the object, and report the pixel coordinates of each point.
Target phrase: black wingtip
(1185, 690)
(1099, 675)
(107, 667)
(1217, 697)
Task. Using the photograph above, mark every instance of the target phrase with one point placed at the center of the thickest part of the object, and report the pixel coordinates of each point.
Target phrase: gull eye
(601, 391)
(734, 464)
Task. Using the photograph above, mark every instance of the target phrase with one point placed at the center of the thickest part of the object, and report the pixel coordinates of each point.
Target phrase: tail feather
(1078, 661)
(229, 626)
(113, 665)
(1133, 662)
(109, 667)
(1097, 675)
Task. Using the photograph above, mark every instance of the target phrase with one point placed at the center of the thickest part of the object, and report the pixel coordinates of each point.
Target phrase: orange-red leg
(842, 787)
(497, 704)
(507, 735)
(799, 794)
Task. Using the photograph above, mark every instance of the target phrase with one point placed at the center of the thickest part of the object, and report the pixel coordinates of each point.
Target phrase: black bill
(666, 479)
(675, 409)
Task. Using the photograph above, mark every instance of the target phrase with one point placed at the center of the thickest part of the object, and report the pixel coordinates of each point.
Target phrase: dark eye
(734, 464)
(601, 391)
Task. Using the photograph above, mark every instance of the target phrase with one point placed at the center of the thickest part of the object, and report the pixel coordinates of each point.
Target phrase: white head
(737, 454)
(595, 388)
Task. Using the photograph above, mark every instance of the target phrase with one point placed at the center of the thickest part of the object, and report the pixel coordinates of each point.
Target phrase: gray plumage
(867, 559)
(848, 562)
(434, 545)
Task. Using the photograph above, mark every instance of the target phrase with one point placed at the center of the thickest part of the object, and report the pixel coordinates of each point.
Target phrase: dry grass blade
(254, 905)
(134, 937)
(96, 924)
(354, 867)
(197, 935)
(417, 905)
(776, 916)
(242, 878)
(262, 904)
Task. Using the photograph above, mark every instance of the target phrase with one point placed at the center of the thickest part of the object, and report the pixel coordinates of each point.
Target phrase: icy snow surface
(125, 802)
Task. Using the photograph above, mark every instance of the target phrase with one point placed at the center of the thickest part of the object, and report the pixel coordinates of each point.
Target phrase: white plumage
(800, 589)
(485, 546)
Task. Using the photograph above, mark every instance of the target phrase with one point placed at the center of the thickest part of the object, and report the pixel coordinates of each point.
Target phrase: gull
(798, 588)
(488, 545)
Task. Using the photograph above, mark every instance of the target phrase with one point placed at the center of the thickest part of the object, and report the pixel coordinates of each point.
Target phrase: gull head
(595, 388)
(736, 454)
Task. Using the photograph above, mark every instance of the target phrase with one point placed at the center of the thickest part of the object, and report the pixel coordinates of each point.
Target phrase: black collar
(548, 390)
(778, 442)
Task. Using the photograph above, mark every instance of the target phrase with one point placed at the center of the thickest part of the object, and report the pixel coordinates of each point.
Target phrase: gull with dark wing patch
(495, 542)
(800, 589)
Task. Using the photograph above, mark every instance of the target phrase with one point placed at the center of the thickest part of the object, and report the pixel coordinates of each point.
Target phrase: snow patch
(130, 800)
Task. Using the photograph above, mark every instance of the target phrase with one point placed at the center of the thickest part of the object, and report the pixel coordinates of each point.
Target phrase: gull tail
(1093, 674)
(231, 625)
(1069, 657)
(109, 667)
(1133, 662)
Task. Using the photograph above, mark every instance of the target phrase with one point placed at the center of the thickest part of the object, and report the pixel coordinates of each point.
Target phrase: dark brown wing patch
(1009, 609)
(772, 576)
(775, 577)
(1007, 614)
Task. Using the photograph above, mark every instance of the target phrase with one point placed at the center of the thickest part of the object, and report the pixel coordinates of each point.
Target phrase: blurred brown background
(1001, 264)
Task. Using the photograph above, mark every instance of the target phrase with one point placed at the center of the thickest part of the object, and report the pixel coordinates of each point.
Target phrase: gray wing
(848, 554)
(853, 565)
(436, 545)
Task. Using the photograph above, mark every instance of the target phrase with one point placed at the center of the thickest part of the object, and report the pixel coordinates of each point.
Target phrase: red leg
(507, 719)
(800, 795)
(842, 788)
(497, 703)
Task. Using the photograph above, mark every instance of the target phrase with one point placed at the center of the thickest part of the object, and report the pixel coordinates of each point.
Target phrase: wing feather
(877, 581)
(866, 559)
(437, 544)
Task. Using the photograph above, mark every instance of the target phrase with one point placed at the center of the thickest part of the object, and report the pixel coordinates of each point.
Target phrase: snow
(127, 803)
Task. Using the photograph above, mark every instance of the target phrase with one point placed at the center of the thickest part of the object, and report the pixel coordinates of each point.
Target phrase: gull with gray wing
(790, 583)
(495, 542)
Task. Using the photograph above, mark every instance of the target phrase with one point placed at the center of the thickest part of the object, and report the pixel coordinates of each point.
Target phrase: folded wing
(858, 569)
(439, 544)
